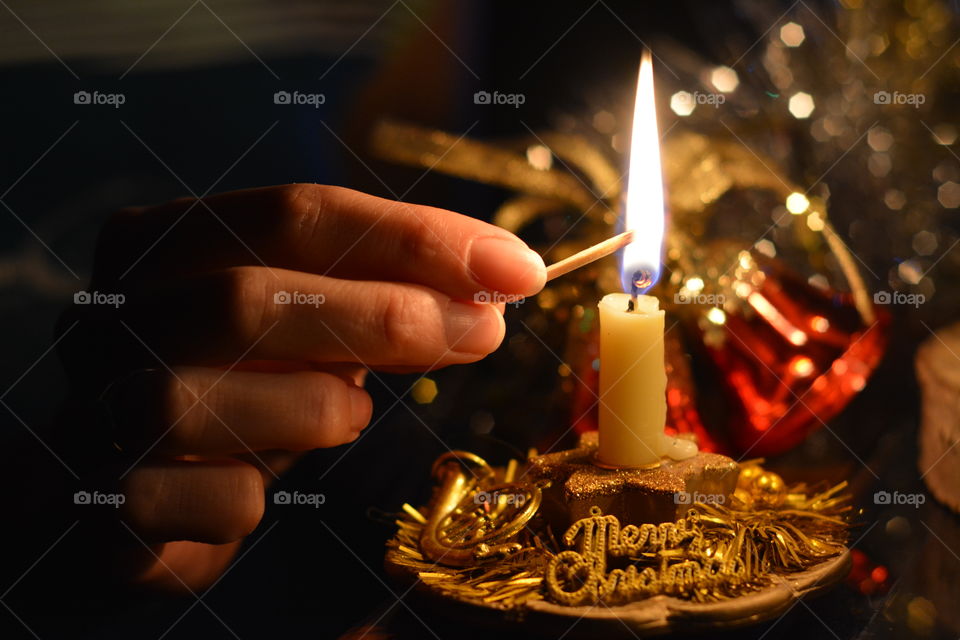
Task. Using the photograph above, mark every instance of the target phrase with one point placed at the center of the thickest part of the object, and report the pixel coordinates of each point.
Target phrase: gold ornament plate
(654, 616)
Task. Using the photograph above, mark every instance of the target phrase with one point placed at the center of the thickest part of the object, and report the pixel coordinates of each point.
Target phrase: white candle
(633, 381)
(633, 378)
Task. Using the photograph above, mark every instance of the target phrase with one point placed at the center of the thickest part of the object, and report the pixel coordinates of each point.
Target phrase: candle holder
(663, 492)
(697, 545)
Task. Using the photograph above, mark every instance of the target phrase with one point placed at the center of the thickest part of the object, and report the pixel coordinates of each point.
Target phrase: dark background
(318, 573)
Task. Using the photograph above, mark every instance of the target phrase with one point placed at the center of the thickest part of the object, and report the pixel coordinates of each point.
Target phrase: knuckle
(140, 508)
(324, 411)
(246, 508)
(419, 242)
(167, 503)
(147, 507)
(404, 319)
(301, 208)
(247, 305)
(184, 419)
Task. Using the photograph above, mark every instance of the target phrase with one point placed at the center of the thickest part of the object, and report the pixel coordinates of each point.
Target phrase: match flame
(640, 263)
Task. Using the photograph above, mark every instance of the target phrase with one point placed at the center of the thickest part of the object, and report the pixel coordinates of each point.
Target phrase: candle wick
(641, 280)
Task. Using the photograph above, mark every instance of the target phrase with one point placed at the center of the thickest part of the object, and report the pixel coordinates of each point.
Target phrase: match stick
(589, 255)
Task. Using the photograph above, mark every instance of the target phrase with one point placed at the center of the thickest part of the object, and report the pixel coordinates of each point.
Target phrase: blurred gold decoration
(472, 160)
(471, 518)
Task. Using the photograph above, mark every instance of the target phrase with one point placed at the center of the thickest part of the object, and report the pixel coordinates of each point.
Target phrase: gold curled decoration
(474, 518)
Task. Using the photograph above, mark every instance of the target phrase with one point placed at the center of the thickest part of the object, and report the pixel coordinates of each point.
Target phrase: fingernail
(472, 328)
(361, 408)
(507, 266)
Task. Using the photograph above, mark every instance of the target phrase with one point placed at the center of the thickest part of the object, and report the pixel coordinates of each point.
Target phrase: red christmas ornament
(792, 361)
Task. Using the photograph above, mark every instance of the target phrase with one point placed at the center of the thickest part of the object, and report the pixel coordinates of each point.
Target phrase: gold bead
(747, 475)
(769, 489)
(744, 496)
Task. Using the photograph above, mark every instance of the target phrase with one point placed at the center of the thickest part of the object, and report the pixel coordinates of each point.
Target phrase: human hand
(247, 324)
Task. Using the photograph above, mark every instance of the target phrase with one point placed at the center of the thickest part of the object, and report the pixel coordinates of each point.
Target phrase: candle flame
(644, 212)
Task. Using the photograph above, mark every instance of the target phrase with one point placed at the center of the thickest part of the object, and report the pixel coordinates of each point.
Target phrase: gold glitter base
(660, 494)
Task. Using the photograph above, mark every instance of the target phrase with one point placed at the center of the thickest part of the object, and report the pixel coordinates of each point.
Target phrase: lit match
(589, 255)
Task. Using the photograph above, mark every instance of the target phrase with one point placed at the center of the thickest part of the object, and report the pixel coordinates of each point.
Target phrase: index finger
(324, 230)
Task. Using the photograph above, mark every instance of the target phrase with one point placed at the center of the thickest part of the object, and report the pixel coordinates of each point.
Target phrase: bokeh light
(949, 195)
(801, 105)
(682, 103)
(791, 34)
(724, 79)
(797, 203)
